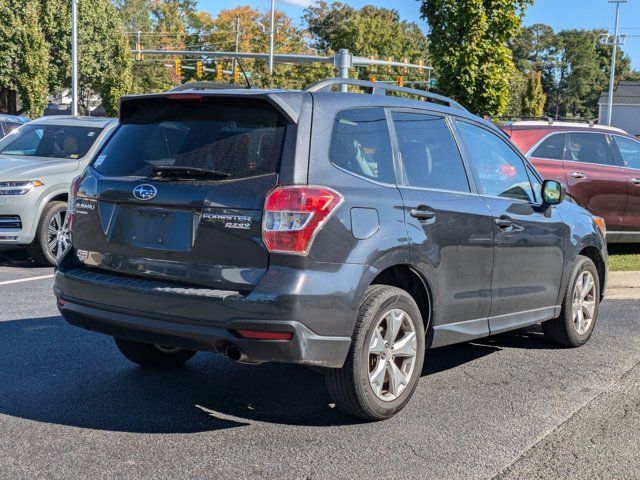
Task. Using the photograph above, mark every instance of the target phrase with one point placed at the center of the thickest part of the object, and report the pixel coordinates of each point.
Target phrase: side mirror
(553, 192)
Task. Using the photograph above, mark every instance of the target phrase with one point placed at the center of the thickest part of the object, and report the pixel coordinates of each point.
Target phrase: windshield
(55, 141)
(241, 138)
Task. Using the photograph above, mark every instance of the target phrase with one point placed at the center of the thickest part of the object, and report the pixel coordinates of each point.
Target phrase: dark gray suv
(338, 230)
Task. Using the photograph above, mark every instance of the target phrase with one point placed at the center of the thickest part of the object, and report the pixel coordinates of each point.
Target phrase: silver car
(38, 161)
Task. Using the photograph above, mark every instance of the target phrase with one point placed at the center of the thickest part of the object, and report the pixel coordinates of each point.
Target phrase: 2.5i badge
(228, 220)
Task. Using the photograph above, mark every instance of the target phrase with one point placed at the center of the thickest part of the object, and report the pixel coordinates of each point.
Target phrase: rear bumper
(318, 307)
(305, 347)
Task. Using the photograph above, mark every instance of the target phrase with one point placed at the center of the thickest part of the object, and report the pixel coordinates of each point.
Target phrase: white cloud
(298, 3)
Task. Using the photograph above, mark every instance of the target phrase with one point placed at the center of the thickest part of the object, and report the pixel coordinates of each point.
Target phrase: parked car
(600, 166)
(37, 163)
(338, 230)
(8, 123)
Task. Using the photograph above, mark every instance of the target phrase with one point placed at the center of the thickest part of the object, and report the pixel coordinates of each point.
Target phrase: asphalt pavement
(510, 406)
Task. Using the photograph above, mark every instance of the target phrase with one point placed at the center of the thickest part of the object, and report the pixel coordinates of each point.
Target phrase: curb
(623, 280)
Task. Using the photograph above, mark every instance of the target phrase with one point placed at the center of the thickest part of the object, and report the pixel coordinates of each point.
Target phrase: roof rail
(378, 88)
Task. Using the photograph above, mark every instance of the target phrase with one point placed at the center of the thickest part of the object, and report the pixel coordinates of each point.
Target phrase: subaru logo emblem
(145, 192)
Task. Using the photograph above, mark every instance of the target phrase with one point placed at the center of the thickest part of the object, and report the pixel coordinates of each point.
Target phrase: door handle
(422, 213)
(635, 181)
(503, 222)
(578, 175)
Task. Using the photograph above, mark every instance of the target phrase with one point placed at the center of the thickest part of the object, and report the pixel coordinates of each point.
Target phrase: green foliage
(24, 61)
(468, 44)
(534, 98)
(516, 87)
(574, 67)
(32, 61)
(369, 31)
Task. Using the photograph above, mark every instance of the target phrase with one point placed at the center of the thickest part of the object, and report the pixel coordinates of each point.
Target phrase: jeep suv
(338, 230)
(600, 166)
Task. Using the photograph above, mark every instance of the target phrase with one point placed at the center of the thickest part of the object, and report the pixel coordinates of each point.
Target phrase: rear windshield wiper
(187, 172)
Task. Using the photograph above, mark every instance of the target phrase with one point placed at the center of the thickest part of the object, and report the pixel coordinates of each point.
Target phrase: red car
(599, 165)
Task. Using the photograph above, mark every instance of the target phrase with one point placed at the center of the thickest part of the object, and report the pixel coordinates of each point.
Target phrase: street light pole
(612, 74)
(272, 32)
(74, 57)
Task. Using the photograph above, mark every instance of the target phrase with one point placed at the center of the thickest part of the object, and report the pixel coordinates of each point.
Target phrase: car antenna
(244, 74)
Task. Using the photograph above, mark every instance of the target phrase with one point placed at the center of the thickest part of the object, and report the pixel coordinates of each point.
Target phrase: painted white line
(30, 279)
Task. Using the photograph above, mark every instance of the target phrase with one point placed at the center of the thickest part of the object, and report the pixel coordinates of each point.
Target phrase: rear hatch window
(241, 139)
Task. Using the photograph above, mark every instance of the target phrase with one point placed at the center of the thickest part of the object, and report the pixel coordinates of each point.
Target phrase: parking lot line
(30, 279)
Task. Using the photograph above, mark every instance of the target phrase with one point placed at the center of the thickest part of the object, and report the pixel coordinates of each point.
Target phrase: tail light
(293, 215)
(71, 205)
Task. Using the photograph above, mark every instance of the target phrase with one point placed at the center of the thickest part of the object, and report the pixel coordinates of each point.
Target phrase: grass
(624, 257)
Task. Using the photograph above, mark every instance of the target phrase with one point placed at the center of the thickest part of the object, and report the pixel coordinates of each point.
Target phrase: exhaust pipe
(233, 353)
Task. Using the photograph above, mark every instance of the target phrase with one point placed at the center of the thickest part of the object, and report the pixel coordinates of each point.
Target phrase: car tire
(580, 306)
(153, 356)
(364, 387)
(53, 217)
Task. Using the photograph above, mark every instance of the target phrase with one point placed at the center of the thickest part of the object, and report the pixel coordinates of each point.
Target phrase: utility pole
(272, 33)
(233, 69)
(74, 57)
(612, 74)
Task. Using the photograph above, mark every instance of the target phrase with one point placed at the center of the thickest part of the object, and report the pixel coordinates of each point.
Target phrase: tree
(468, 44)
(517, 87)
(24, 57)
(369, 31)
(148, 75)
(534, 99)
(104, 54)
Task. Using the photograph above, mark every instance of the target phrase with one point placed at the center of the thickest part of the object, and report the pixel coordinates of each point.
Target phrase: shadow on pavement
(51, 372)
(16, 258)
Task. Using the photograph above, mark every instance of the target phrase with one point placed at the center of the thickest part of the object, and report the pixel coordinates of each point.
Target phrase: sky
(560, 14)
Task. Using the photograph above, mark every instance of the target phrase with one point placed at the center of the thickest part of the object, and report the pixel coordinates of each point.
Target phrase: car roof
(13, 118)
(561, 126)
(77, 121)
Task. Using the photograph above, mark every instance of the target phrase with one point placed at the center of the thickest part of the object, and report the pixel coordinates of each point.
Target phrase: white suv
(38, 161)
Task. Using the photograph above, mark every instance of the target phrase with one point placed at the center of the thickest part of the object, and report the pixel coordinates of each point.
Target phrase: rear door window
(589, 148)
(629, 151)
(430, 156)
(552, 147)
(361, 144)
(240, 137)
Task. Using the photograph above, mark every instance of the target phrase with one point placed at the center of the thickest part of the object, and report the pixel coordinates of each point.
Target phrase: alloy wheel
(584, 302)
(58, 234)
(392, 354)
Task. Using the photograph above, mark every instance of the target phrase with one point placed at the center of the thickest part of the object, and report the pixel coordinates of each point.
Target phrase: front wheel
(385, 360)
(153, 356)
(579, 313)
(52, 235)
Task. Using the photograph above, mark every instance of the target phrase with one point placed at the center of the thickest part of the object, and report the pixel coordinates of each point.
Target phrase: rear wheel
(153, 356)
(385, 361)
(52, 235)
(577, 319)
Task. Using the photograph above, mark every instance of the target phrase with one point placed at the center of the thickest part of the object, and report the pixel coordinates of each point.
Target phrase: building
(626, 107)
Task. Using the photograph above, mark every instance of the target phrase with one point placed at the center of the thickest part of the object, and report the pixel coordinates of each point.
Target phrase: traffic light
(178, 67)
(400, 81)
(219, 71)
(199, 69)
(236, 75)
(372, 78)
